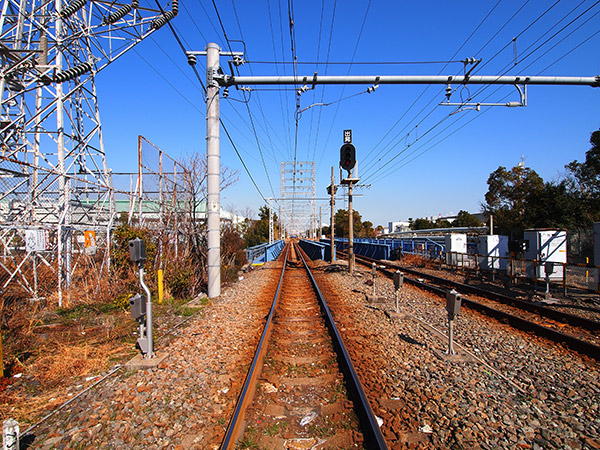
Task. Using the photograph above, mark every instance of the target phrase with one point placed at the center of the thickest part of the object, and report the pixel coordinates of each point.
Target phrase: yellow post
(160, 286)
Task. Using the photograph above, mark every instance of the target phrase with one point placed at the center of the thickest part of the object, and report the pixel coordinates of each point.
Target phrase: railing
(315, 250)
(262, 253)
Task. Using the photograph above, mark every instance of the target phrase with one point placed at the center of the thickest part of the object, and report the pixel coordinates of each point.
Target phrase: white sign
(36, 240)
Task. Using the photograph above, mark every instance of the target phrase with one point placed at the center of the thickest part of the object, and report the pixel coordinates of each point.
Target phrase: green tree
(465, 219)
(422, 224)
(342, 223)
(586, 175)
(507, 196)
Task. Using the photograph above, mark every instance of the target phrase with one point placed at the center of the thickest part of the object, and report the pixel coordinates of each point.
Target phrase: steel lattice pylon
(298, 197)
(53, 170)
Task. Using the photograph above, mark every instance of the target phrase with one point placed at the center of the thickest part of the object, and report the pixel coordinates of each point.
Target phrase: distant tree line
(463, 219)
(520, 199)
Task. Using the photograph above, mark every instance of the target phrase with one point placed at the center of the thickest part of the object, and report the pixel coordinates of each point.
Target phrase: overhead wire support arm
(593, 81)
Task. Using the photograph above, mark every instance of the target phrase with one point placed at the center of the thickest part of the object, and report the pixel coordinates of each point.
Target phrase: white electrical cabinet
(546, 246)
(493, 252)
(456, 243)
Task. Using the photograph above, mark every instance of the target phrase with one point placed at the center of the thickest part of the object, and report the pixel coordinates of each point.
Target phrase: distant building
(394, 227)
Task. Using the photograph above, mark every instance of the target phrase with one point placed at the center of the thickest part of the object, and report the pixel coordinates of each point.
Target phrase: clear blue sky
(440, 169)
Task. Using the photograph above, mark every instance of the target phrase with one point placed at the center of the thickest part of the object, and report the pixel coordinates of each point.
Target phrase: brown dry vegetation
(61, 351)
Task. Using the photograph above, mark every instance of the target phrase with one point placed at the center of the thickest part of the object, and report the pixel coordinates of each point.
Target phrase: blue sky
(438, 169)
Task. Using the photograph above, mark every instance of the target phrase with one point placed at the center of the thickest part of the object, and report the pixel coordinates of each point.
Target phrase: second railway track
(580, 334)
(301, 390)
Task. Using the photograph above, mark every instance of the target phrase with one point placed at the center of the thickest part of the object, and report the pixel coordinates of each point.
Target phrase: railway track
(576, 332)
(301, 390)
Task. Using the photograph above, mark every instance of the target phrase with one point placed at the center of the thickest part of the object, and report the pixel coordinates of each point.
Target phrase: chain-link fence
(56, 259)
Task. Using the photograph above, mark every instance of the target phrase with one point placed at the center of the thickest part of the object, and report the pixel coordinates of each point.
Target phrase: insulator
(191, 60)
(162, 20)
(72, 8)
(73, 72)
(118, 14)
(175, 7)
(135, 3)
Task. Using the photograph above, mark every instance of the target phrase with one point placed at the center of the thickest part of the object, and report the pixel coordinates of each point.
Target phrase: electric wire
(179, 41)
(360, 33)
(247, 107)
(395, 167)
(482, 89)
(266, 127)
(423, 93)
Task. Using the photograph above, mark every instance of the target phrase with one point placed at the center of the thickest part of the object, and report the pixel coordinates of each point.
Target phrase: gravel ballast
(514, 390)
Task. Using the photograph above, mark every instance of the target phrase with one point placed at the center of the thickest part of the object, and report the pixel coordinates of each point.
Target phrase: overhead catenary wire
(246, 104)
(507, 69)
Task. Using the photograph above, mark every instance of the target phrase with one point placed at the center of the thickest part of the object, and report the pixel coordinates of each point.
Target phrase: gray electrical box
(398, 279)
(137, 250)
(137, 307)
(453, 302)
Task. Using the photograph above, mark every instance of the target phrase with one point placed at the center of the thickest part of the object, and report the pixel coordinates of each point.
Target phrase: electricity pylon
(52, 162)
(53, 167)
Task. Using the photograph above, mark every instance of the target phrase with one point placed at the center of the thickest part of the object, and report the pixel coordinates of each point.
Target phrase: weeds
(275, 428)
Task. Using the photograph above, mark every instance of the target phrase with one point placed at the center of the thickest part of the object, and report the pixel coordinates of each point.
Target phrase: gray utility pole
(350, 182)
(332, 190)
(213, 168)
(215, 80)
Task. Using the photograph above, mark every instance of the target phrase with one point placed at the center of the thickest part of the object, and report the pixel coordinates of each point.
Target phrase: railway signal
(347, 157)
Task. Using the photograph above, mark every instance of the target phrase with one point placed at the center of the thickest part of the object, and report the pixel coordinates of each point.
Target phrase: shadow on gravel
(26, 441)
(410, 340)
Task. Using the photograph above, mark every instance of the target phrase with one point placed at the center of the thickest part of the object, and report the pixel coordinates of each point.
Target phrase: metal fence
(43, 257)
(564, 275)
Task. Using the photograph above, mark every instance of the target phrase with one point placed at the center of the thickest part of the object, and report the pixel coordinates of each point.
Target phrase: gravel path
(518, 391)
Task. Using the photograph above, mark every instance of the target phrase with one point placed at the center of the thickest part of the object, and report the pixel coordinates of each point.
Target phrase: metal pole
(593, 81)
(350, 231)
(332, 203)
(320, 223)
(450, 335)
(270, 220)
(212, 153)
(150, 353)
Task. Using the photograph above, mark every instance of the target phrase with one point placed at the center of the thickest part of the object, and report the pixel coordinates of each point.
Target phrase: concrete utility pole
(213, 167)
(350, 182)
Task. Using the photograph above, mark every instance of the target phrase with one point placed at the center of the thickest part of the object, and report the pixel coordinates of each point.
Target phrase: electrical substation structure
(298, 198)
(54, 180)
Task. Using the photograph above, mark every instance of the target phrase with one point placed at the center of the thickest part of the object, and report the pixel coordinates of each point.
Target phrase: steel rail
(373, 438)
(583, 347)
(234, 428)
(544, 311)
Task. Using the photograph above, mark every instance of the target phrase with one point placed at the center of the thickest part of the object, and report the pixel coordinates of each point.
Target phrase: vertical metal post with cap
(398, 282)
(347, 162)
(213, 207)
(453, 302)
